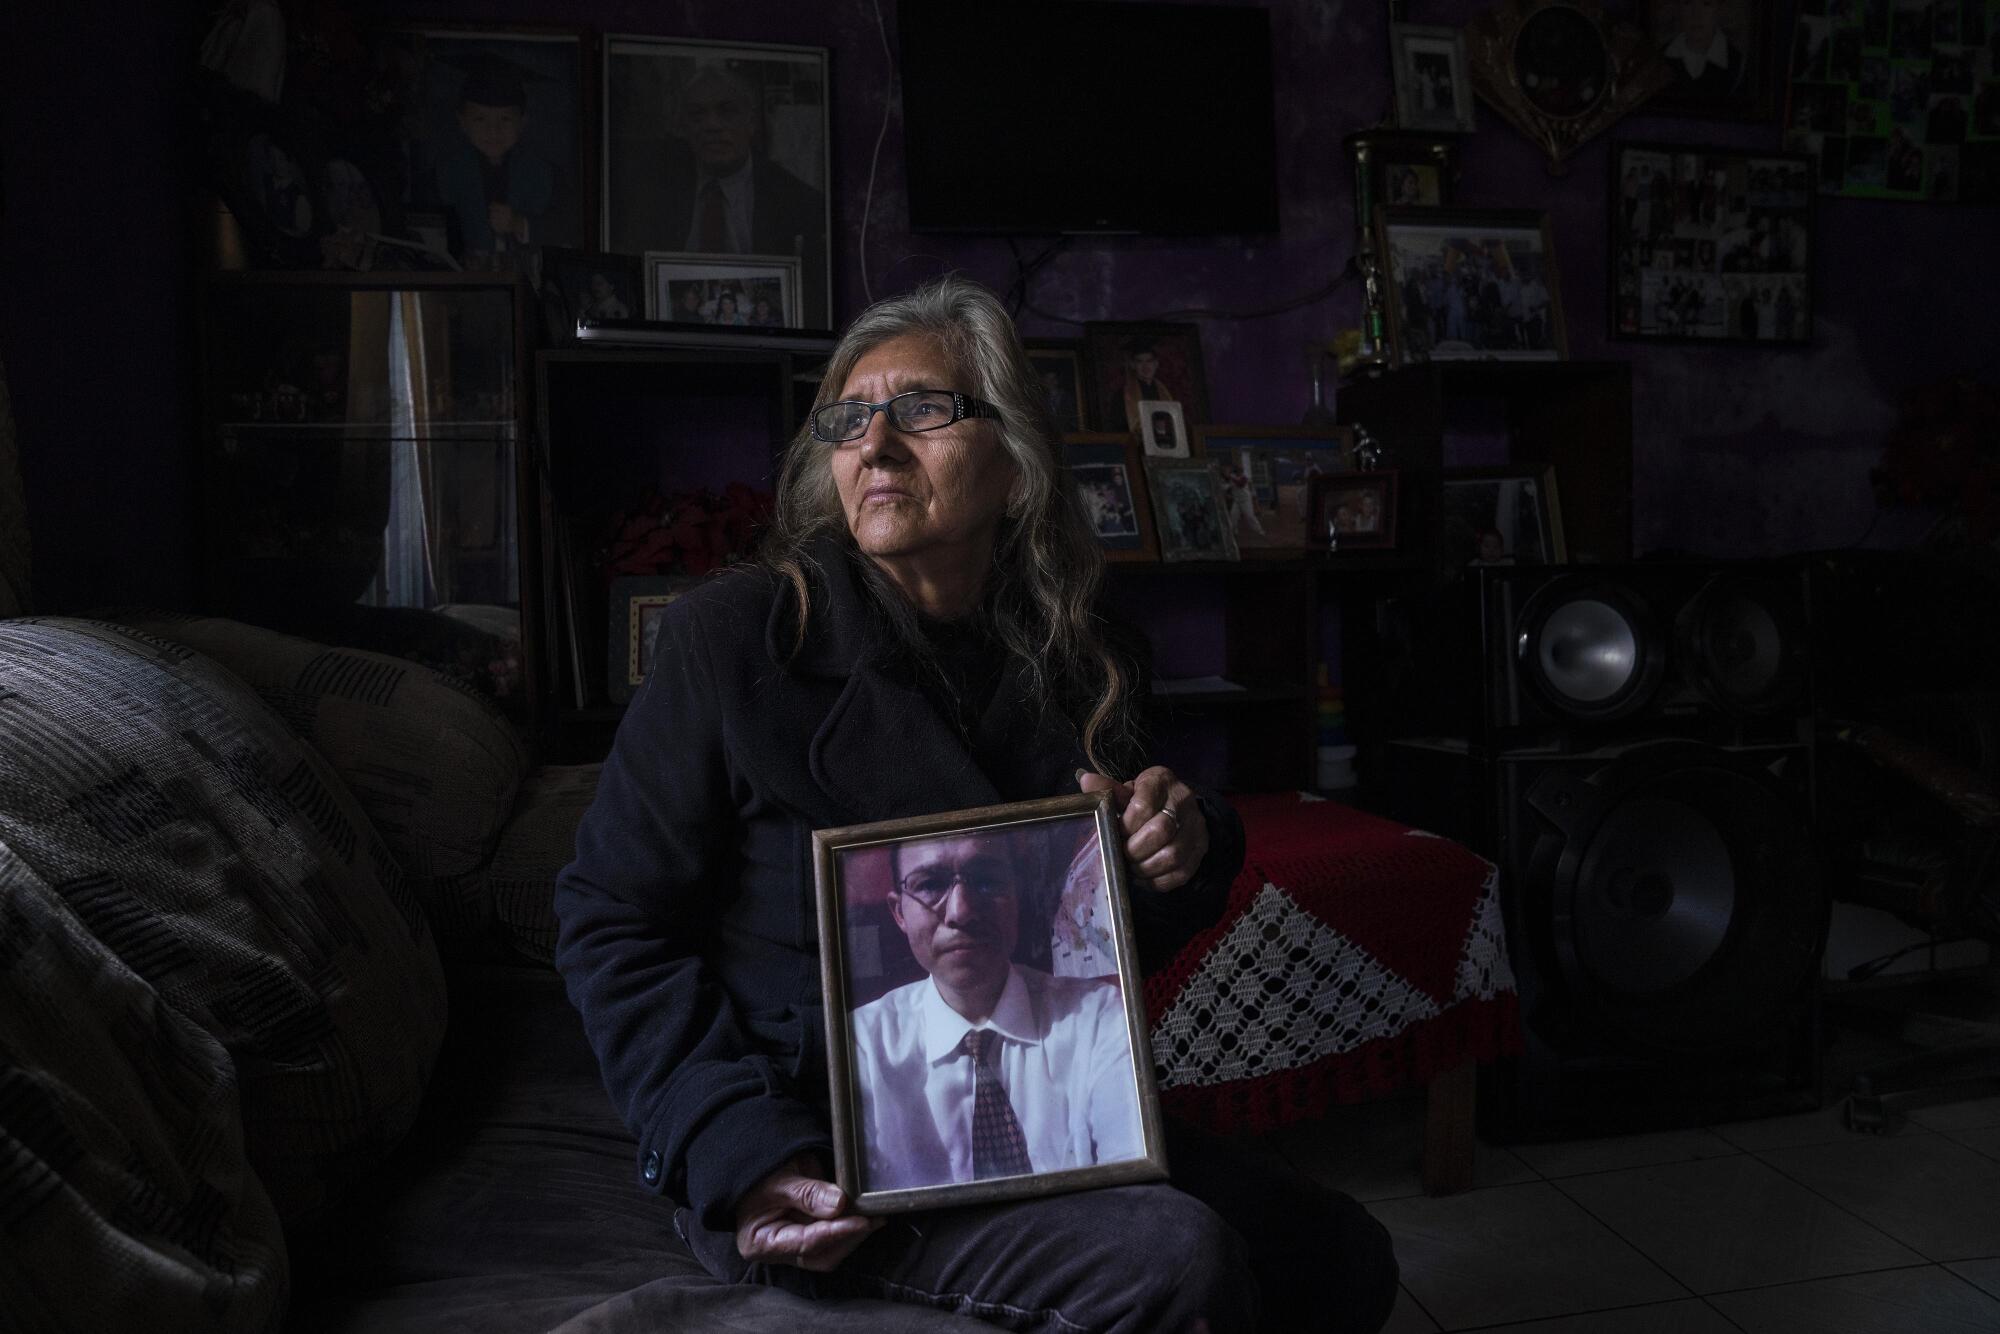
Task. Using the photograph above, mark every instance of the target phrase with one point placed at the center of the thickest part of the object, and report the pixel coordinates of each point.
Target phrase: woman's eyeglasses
(918, 410)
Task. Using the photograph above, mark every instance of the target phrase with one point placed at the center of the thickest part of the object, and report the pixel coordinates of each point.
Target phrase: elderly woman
(921, 634)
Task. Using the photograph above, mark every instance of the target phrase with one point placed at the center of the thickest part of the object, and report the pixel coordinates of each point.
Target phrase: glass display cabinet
(362, 467)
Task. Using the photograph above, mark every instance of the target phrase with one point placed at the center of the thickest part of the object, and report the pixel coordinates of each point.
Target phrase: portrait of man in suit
(719, 151)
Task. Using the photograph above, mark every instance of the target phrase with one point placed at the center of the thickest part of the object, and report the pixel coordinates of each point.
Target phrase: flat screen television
(1048, 116)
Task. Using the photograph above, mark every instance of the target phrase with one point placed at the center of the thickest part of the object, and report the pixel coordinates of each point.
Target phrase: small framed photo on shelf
(1433, 89)
(583, 286)
(744, 291)
(1507, 515)
(1266, 473)
(1110, 481)
(1163, 429)
(636, 604)
(1401, 170)
(685, 121)
(1036, 1031)
(1058, 364)
(1720, 55)
(1134, 363)
(1353, 511)
(1187, 509)
(1710, 244)
(1470, 285)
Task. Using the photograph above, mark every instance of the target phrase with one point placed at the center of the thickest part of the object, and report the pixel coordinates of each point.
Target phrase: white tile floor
(1791, 1225)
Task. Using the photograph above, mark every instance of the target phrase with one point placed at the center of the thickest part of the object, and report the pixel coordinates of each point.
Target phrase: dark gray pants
(1230, 1242)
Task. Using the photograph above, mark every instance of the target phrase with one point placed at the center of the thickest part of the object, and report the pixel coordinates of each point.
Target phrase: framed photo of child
(495, 137)
(1354, 511)
(1047, 1085)
(1111, 482)
(1266, 476)
(1135, 363)
(1187, 509)
(720, 149)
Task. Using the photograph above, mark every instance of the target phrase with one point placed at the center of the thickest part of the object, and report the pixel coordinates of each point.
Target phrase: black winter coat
(689, 935)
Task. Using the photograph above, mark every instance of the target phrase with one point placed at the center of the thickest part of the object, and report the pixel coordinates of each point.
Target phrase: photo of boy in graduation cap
(498, 148)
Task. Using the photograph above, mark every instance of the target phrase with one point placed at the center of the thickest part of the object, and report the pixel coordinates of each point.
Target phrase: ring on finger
(1173, 818)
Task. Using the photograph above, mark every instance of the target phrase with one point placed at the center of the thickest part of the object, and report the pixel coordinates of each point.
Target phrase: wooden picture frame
(1710, 245)
(1147, 361)
(1266, 473)
(682, 116)
(1470, 285)
(1720, 55)
(1058, 363)
(1432, 82)
(1049, 876)
(584, 286)
(636, 604)
(1187, 511)
(1505, 515)
(1110, 480)
(1354, 511)
(537, 84)
(732, 291)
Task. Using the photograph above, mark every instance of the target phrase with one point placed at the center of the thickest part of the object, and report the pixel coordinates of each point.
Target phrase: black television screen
(1083, 116)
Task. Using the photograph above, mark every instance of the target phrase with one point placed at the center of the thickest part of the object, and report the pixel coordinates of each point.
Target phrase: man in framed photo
(1142, 380)
(718, 191)
(985, 1067)
(1704, 60)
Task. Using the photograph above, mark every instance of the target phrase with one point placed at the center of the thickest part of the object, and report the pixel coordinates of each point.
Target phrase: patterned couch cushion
(126, 1201)
(538, 842)
(221, 859)
(430, 761)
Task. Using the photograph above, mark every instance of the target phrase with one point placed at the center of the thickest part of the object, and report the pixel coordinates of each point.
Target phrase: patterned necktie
(713, 233)
(998, 1147)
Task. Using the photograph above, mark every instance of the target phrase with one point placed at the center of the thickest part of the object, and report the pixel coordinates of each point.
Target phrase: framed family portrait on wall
(753, 291)
(1132, 364)
(1470, 285)
(493, 137)
(720, 150)
(1266, 474)
(1719, 53)
(1507, 515)
(986, 1028)
(1711, 244)
(1433, 91)
(1111, 482)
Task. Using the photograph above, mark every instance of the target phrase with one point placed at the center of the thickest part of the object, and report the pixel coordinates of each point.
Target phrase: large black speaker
(1638, 763)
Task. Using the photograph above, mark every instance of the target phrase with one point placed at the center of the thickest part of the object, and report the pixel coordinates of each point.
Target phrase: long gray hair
(1041, 598)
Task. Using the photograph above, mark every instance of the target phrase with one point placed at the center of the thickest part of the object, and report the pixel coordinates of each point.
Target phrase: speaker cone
(1742, 644)
(1589, 648)
(1680, 897)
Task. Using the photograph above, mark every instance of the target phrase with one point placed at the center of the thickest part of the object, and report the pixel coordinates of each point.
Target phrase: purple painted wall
(1738, 451)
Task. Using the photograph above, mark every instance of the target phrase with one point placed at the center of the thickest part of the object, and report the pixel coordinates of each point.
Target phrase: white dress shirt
(1716, 53)
(1065, 1062)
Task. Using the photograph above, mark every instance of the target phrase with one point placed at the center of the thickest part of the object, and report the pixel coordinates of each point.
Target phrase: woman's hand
(1166, 835)
(795, 1217)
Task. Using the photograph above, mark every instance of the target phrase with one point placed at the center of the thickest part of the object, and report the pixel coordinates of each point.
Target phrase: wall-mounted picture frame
(1187, 511)
(495, 137)
(1560, 71)
(1163, 429)
(1130, 363)
(1266, 473)
(739, 291)
(1058, 363)
(1110, 480)
(1353, 511)
(688, 124)
(1505, 515)
(1710, 245)
(1720, 56)
(1433, 86)
(1470, 285)
(636, 604)
(585, 286)
(1045, 1012)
